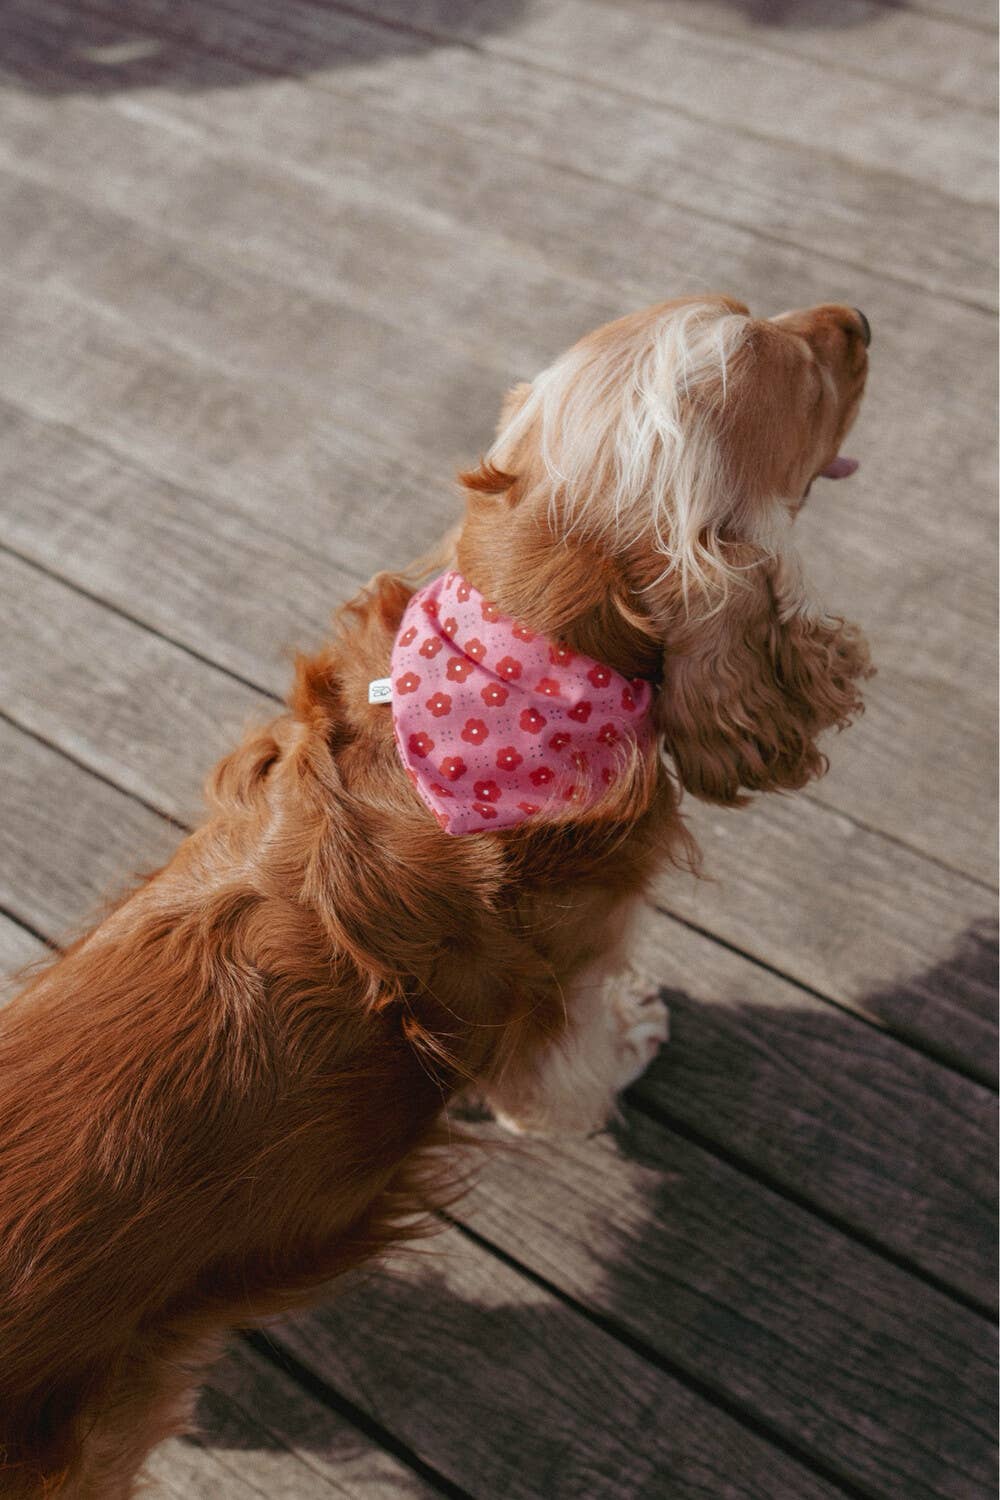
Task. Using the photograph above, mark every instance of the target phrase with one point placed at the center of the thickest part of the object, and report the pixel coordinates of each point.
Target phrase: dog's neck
(566, 589)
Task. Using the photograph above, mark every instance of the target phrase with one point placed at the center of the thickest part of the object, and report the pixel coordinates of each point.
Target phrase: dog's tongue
(840, 468)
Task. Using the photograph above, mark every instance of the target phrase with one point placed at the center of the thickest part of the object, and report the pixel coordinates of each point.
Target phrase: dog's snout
(866, 327)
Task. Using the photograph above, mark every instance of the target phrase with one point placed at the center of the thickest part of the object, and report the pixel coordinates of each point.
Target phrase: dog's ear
(749, 686)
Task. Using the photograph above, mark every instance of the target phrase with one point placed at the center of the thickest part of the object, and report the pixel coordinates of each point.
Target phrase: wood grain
(755, 1298)
(258, 1433)
(822, 1104)
(717, 185)
(510, 1393)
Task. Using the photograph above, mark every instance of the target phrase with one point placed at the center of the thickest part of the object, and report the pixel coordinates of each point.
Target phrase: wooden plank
(934, 673)
(194, 569)
(931, 1206)
(69, 841)
(258, 1433)
(867, 922)
(757, 1299)
(706, 76)
(872, 1132)
(909, 47)
(726, 66)
(18, 947)
(508, 1392)
(698, 180)
(128, 704)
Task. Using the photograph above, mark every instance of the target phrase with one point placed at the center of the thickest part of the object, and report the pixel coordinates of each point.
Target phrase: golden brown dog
(231, 1090)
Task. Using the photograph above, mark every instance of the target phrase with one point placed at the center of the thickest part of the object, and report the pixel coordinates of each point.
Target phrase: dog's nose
(866, 327)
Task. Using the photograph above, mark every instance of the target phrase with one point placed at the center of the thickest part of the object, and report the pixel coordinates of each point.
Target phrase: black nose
(866, 327)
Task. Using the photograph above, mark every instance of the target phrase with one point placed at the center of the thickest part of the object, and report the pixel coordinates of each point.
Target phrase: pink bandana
(495, 723)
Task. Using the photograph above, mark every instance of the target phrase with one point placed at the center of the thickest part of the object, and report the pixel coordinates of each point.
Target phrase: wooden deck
(265, 271)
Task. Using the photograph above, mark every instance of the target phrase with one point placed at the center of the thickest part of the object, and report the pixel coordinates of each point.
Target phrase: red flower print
(599, 676)
(484, 809)
(463, 591)
(559, 741)
(581, 711)
(457, 669)
(549, 686)
(408, 636)
(560, 656)
(431, 646)
(541, 775)
(490, 611)
(493, 695)
(475, 649)
(628, 699)
(608, 735)
(523, 633)
(442, 818)
(439, 704)
(450, 625)
(475, 731)
(509, 667)
(440, 791)
(408, 683)
(411, 776)
(430, 607)
(487, 791)
(531, 721)
(573, 794)
(420, 744)
(579, 760)
(607, 775)
(449, 579)
(508, 759)
(528, 807)
(452, 767)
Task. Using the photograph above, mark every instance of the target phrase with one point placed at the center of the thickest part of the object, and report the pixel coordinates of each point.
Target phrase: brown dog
(231, 1091)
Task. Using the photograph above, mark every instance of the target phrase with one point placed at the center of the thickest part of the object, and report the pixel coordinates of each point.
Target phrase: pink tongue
(840, 468)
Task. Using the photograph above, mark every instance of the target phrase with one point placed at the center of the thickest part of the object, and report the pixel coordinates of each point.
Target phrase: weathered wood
(259, 1433)
(18, 947)
(708, 76)
(508, 1392)
(864, 920)
(69, 841)
(131, 706)
(707, 177)
(823, 1105)
(756, 1299)
(914, 49)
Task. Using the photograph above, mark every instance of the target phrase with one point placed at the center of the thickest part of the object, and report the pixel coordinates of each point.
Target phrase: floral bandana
(495, 723)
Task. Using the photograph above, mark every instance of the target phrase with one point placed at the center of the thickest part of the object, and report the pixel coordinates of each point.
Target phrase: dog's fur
(232, 1090)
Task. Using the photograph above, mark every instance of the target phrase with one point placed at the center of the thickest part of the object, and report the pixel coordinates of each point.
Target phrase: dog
(418, 879)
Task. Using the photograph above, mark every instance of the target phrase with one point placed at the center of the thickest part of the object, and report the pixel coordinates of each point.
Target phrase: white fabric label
(380, 691)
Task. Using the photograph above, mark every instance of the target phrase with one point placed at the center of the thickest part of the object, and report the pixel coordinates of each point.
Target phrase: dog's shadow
(76, 51)
(474, 1367)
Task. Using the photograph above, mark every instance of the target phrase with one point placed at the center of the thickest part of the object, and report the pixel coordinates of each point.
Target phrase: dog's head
(649, 480)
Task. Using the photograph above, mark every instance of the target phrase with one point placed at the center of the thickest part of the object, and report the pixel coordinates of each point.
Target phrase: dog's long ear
(749, 686)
